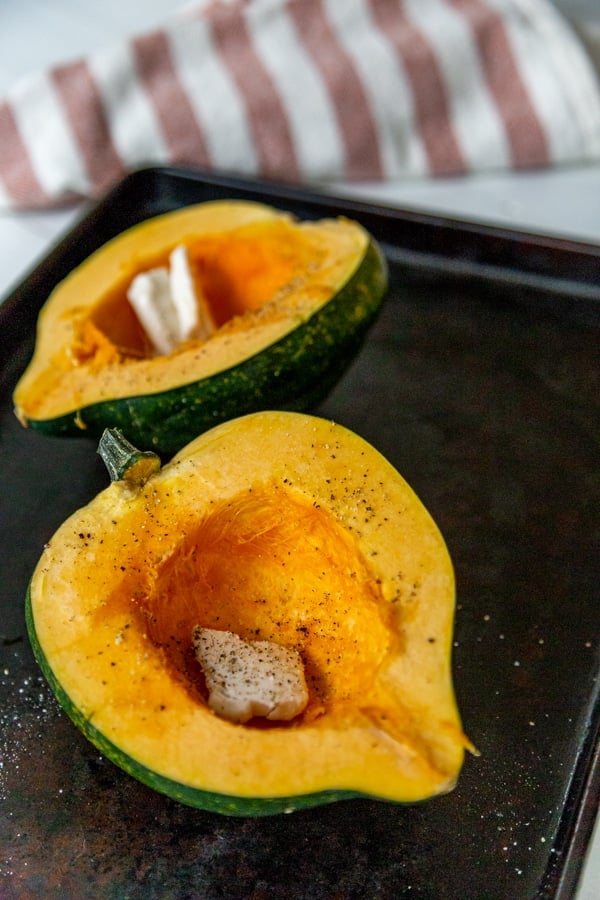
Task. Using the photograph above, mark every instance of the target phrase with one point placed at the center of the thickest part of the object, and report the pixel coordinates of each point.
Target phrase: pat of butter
(250, 678)
(169, 305)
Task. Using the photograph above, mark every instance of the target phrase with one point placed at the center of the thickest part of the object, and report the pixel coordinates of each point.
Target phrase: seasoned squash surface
(289, 304)
(277, 527)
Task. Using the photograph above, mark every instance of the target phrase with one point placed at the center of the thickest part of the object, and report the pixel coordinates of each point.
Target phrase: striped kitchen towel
(308, 91)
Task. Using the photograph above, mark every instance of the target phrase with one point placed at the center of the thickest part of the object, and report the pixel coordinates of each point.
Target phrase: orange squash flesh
(277, 526)
(238, 272)
(270, 567)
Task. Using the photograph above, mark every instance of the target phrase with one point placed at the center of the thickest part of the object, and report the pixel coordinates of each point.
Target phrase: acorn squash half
(277, 527)
(290, 303)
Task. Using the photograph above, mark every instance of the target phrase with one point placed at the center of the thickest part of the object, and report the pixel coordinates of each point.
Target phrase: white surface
(34, 34)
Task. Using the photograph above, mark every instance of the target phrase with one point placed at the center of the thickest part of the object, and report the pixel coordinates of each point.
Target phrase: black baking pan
(480, 383)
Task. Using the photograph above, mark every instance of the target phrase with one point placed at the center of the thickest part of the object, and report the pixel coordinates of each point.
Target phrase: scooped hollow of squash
(277, 534)
(201, 315)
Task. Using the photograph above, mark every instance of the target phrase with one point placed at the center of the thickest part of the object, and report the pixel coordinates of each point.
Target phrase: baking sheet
(480, 383)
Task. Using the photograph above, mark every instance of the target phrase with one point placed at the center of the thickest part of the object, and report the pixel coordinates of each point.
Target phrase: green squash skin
(189, 796)
(295, 373)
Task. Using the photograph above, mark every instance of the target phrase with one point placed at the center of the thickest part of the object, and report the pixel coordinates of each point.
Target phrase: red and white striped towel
(309, 91)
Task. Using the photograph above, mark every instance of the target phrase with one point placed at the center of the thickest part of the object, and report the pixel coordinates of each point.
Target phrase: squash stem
(124, 461)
